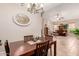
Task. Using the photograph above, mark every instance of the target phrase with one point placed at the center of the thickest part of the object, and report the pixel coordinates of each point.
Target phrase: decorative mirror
(21, 19)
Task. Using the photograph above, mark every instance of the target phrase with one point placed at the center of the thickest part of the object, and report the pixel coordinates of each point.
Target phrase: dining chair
(0, 43)
(42, 48)
(7, 49)
(49, 37)
(28, 38)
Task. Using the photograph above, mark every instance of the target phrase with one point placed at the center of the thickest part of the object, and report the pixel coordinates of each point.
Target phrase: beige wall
(12, 32)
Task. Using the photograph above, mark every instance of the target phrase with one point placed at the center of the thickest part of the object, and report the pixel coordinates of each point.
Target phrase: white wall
(12, 32)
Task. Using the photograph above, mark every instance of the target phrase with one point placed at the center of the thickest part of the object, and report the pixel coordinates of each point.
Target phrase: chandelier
(35, 8)
(59, 17)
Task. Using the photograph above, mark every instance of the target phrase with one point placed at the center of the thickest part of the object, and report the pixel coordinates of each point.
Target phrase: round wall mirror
(21, 19)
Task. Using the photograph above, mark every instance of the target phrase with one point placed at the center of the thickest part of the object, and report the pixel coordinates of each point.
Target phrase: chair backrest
(0, 43)
(42, 48)
(7, 49)
(28, 38)
(49, 37)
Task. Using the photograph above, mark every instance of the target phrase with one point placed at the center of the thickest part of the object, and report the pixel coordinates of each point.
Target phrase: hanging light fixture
(59, 17)
(35, 8)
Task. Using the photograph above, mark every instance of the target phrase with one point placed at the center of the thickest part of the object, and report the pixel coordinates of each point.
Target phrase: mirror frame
(22, 15)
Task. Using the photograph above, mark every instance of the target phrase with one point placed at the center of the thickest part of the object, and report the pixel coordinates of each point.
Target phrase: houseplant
(75, 31)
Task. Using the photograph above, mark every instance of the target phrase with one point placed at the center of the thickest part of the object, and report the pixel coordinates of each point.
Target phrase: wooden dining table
(21, 48)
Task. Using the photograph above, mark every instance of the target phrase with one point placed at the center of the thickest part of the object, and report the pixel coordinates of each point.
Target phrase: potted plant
(76, 32)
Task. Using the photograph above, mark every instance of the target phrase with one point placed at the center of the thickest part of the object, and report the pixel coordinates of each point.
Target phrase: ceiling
(49, 6)
(66, 10)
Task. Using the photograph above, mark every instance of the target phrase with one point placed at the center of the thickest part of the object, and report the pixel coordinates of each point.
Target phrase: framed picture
(21, 19)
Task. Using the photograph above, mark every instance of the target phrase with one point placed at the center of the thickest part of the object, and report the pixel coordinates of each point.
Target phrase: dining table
(21, 48)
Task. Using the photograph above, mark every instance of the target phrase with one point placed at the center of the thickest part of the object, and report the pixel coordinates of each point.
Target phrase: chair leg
(7, 54)
(51, 51)
(55, 46)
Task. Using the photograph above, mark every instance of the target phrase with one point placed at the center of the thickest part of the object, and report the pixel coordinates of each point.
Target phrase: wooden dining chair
(49, 37)
(42, 48)
(28, 38)
(7, 49)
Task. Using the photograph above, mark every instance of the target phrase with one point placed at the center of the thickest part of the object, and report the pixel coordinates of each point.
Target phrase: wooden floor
(67, 46)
